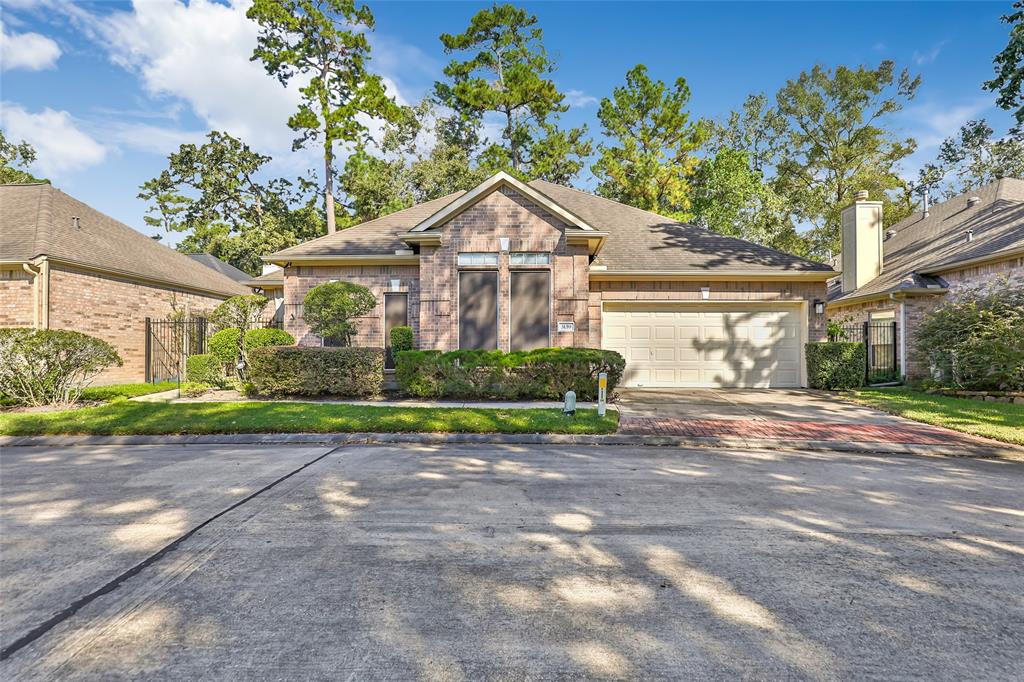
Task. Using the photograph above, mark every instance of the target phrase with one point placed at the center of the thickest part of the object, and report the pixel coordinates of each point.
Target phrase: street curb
(335, 439)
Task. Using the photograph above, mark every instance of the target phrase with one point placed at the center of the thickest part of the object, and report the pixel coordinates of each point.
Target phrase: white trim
(489, 185)
(902, 331)
(803, 306)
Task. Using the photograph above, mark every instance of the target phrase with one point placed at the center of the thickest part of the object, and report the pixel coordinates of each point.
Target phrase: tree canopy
(15, 158)
(1009, 67)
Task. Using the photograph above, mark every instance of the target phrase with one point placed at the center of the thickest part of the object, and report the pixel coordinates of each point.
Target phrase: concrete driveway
(776, 404)
(488, 562)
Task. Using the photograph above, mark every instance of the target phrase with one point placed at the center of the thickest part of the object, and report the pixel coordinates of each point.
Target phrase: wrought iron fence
(170, 342)
(881, 340)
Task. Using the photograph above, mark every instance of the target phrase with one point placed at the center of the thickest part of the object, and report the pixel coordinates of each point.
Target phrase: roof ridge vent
(973, 201)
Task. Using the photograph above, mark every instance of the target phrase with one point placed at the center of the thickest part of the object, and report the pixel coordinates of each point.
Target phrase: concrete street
(507, 562)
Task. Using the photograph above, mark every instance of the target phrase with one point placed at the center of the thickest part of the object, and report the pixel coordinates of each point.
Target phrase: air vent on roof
(970, 235)
(76, 222)
(973, 201)
(889, 234)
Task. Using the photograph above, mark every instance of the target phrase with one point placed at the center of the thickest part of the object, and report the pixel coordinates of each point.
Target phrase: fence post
(149, 352)
(867, 352)
(895, 346)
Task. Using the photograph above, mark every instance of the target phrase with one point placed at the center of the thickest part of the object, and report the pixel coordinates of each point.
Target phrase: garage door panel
(732, 346)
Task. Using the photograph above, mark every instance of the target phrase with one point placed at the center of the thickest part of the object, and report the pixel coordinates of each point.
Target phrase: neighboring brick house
(271, 285)
(64, 265)
(899, 274)
(513, 265)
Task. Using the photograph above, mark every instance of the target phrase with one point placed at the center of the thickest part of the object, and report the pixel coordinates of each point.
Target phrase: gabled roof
(226, 269)
(638, 242)
(36, 220)
(923, 248)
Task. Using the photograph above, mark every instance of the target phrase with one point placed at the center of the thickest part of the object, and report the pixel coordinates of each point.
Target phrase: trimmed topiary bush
(205, 368)
(261, 338)
(50, 366)
(311, 371)
(224, 345)
(835, 365)
(542, 374)
(328, 309)
(401, 339)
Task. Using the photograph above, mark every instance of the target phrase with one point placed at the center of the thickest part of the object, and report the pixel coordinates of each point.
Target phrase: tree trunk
(329, 188)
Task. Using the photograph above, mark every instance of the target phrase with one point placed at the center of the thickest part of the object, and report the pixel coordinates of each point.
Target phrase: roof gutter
(705, 275)
(368, 259)
(141, 278)
(894, 294)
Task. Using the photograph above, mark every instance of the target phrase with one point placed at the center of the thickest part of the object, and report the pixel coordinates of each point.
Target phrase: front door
(396, 314)
(478, 309)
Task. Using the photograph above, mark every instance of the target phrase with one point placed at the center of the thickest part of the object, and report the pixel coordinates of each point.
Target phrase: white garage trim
(799, 307)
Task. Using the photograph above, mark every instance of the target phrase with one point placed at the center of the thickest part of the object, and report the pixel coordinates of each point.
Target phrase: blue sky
(105, 90)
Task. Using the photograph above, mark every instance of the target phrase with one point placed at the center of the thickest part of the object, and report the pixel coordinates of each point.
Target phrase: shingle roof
(641, 241)
(923, 246)
(638, 241)
(272, 278)
(226, 269)
(36, 220)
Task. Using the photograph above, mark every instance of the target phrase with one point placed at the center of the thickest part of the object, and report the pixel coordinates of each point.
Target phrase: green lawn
(1000, 421)
(106, 393)
(124, 417)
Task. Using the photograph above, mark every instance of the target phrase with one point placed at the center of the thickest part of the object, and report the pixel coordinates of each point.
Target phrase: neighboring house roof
(36, 220)
(268, 280)
(226, 269)
(638, 241)
(922, 248)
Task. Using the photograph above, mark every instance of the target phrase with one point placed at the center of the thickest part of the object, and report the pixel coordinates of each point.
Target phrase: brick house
(899, 274)
(513, 265)
(64, 265)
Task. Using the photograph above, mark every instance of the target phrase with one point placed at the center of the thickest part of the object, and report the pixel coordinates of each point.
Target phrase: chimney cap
(973, 201)
(861, 195)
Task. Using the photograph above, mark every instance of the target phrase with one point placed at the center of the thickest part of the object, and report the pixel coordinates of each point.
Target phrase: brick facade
(377, 278)
(110, 308)
(16, 298)
(916, 308)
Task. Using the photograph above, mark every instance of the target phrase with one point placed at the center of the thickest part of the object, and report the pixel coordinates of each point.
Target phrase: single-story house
(223, 267)
(511, 265)
(65, 265)
(901, 273)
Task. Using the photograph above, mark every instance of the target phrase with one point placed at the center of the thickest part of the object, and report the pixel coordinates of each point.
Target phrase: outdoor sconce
(819, 307)
(705, 293)
(395, 284)
(503, 241)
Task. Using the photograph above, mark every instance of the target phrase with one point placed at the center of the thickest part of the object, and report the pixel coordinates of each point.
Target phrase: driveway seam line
(111, 585)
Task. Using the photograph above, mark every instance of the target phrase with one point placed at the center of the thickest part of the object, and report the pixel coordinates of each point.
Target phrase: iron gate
(881, 340)
(170, 342)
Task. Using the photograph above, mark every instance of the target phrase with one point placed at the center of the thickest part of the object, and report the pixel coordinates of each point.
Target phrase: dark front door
(396, 314)
(478, 310)
(530, 314)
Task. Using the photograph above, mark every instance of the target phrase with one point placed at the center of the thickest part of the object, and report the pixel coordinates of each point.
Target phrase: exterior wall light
(503, 241)
(395, 284)
(705, 293)
(819, 307)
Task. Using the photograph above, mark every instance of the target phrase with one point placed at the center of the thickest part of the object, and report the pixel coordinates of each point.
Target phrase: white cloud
(60, 143)
(931, 123)
(146, 137)
(578, 98)
(929, 56)
(29, 51)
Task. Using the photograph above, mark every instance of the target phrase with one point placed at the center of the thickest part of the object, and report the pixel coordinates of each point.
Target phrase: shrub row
(835, 365)
(311, 371)
(542, 374)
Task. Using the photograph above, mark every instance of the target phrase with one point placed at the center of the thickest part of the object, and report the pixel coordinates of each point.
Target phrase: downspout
(27, 267)
(44, 272)
(902, 331)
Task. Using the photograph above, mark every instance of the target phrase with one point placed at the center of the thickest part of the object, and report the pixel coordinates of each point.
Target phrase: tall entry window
(478, 309)
(396, 314)
(530, 309)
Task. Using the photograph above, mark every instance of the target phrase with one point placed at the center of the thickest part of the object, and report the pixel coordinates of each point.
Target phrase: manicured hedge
(50, 366)
(205, 368)
(835, 365)
(542, 374)
(224, 345)
(311, 371)
(269, 336)
(401, 339)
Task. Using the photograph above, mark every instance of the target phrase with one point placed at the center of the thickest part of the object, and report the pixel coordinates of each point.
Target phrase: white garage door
(697, 345)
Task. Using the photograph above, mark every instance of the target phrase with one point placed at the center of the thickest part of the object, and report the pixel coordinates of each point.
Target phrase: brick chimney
(862, 242)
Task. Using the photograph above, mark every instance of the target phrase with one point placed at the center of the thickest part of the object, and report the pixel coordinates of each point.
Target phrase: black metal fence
(881, 340)
(170, 342)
